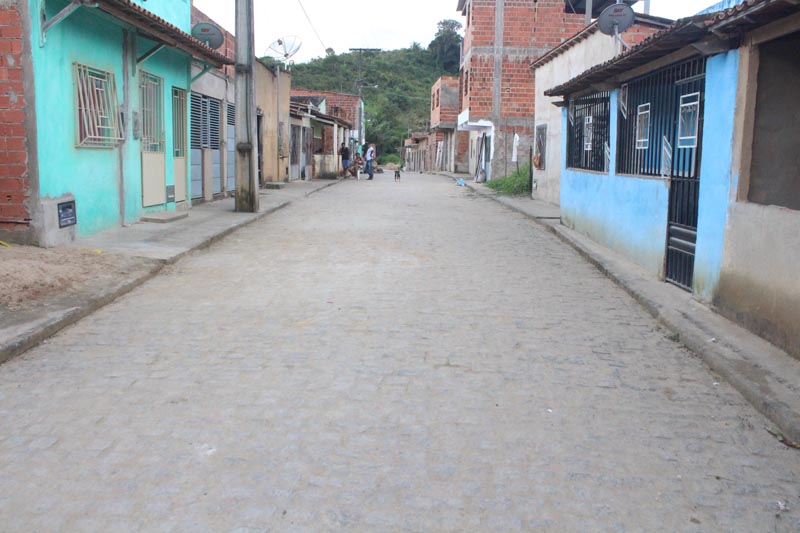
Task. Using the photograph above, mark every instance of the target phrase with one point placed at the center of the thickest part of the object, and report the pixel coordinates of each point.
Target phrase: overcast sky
(346, 24)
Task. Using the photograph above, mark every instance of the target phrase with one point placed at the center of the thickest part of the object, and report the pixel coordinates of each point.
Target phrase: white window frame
(151, 104)
(588, 133)
(689, 141)
(643, 113)
(97, 117)
(623, 101)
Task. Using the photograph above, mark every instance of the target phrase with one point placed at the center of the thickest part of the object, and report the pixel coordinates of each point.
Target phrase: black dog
(396, 175)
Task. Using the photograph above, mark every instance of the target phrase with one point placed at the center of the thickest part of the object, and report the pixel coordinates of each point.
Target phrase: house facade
(273, 86)
(416, 149)
(95, 117)
(501, 41)
(348, 107)
(212, 127)
(583, 50)
(449, 146)
(699, 182)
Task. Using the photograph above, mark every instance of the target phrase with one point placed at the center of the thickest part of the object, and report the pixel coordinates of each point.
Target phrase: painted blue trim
(722, 75)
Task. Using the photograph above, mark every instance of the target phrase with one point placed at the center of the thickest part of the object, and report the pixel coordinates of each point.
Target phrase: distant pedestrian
(370, 157)
(344, 151)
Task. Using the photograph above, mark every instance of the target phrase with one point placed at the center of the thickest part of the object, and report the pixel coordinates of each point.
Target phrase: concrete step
(165, 216)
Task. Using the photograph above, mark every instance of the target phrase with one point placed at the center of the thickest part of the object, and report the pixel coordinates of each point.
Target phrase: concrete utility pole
(246, 142)
(360, 85)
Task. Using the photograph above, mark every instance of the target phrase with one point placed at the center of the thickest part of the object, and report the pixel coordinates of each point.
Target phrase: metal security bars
(588, 132)
(97, 109)
(661, 135)
(662, 110)
(205, 127)
(179, 122)
(152, 105)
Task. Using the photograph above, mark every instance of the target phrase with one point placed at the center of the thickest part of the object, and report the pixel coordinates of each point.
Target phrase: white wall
(596, 49)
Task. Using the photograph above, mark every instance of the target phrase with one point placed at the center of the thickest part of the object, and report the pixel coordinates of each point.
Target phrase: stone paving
(382, 357)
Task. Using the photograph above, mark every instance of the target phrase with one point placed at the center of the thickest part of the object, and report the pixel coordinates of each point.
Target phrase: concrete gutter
(148, 253)
(766, 376)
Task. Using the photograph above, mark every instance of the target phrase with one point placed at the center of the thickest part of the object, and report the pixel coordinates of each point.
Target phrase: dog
(396, 175)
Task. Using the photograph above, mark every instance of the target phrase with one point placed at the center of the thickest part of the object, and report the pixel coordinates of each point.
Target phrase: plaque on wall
(67, 215)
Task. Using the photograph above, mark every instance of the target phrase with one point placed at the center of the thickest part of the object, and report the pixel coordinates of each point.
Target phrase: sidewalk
(143, 249)
(765, 375)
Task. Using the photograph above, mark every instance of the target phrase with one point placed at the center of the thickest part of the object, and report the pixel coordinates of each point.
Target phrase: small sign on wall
(67, 214)
(170, 193)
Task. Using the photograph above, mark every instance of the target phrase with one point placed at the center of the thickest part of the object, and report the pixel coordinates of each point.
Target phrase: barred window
(659, 130)
(152, 104)
(588, 131)
(98, 118)
(179, 122)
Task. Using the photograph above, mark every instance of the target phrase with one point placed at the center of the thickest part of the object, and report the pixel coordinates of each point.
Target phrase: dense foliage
(395, 84)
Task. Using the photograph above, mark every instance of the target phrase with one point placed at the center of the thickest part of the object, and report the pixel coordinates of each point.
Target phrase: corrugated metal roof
(159, 30)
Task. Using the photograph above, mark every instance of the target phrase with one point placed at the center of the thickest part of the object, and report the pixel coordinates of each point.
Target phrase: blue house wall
(722, 73)
(629, 213)
(625, 213)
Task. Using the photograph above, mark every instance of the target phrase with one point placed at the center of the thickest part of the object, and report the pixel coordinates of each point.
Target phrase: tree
(446, 46)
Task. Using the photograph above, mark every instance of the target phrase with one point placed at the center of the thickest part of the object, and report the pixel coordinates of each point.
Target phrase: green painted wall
(97, 177)
(177, 12)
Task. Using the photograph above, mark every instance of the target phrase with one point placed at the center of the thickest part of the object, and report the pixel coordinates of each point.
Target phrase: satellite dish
(208, 33)
(615, 19)
(285, 47)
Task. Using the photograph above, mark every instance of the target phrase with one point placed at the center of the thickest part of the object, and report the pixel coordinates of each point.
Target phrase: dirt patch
(29, 274)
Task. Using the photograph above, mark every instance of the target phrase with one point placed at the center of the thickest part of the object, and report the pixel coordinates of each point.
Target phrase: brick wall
(342, 105)
(530, 29)
(14, 182)
(444, 100)
(228, 48)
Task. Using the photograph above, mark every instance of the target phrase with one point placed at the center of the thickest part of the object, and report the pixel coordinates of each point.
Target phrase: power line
(312, 25)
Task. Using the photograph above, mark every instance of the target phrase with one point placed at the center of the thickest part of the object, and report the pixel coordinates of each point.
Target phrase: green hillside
(396, 84)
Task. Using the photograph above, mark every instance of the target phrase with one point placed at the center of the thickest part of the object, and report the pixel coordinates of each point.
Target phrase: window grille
(689, 120)
(665, 104)
(179, 122)
(98, 117)
(587, 134)
(541, 147)
(623, 101)
(588, 131)
(206, 117)
(152, 106)
(643, 127)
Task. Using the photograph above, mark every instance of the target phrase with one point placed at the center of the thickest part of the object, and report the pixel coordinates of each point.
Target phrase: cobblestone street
(382, 356)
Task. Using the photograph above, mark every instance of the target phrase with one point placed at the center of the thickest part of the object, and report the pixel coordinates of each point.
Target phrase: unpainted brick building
(502, 39)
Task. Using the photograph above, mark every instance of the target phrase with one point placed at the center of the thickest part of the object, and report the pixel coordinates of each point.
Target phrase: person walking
(344, 151)
(370, 157)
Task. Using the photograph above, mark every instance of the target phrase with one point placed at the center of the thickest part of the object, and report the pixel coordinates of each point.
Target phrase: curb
(687, 332)
(331, 184)
(224, 233)
(24, 342)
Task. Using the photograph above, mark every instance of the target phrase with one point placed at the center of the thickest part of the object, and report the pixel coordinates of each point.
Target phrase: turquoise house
(682, 154)
(105, 87)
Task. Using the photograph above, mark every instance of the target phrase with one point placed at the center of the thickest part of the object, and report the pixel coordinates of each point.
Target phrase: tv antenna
(208, 33)
(285, 47)
(615, 19)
